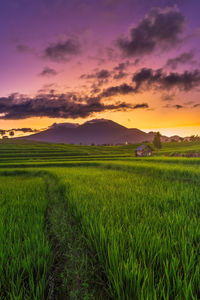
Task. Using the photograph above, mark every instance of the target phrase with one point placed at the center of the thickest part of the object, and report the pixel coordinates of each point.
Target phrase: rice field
(98, 226)
(25, 254)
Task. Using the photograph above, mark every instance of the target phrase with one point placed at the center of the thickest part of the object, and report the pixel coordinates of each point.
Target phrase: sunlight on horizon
(181, 131)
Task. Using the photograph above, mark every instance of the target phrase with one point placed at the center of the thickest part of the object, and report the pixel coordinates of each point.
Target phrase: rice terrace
(96, 222)
(100, 150)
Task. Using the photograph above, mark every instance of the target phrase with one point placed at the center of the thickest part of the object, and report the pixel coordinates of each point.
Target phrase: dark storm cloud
(62, 51)
(102, 74)
(161, 28)
(184, 58)
(48, 72)
(148, 78)
(53, 105)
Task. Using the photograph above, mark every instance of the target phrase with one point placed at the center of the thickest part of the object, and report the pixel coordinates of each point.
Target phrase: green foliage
(2, 132)
(11, 133)
(156, 141)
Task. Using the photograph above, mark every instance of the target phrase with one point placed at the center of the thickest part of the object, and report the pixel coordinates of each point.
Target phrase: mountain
(97, 131)
(65, 125)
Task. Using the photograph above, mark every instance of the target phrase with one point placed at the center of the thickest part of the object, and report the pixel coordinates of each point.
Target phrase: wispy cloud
(63, 51)
(183, 58)
(23, 48)
(102, 74)
(48, 72)
(24, 130)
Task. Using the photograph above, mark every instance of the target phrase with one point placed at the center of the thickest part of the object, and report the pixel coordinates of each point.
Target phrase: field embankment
(27, 151)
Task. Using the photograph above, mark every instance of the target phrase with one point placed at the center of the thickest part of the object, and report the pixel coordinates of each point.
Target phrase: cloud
(102, 74)
(100, 78)
(120, 75)
(143, 105)
(196, 105)
(167, 97)
(2, 132)
(148, 78)
(177, 106)
(184, 58)
(189, 103)
(161, 28)
(95, 87)
(119, 70)
(22, 48)
(186, 105)
(104, 54)
(110, 54)
(53, 105)
(63, 51)
(48, 72)
(122, 89)
(122, 66)
(24, 130)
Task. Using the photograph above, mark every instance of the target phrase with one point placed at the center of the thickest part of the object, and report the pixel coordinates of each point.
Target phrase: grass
(25, 256)
(97, 223)
(145, 232)
(75, 270)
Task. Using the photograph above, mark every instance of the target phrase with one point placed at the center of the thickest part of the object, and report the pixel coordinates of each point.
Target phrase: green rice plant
(143, 227)
(25, 254)
(139, 218)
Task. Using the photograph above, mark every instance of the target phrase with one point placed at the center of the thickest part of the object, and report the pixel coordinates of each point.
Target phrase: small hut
(143, 150)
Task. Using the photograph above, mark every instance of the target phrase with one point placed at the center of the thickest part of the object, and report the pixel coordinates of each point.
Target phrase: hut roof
(143, 147)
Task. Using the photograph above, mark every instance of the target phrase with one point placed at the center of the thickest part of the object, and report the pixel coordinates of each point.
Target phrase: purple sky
(135, 62)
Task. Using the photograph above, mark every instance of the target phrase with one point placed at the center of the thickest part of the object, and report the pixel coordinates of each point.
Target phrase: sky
(135, 62)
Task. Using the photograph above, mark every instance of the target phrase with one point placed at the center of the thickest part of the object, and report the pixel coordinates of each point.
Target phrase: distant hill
(97, 131)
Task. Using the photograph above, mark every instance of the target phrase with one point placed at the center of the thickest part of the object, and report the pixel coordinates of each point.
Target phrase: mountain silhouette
(97, 131)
